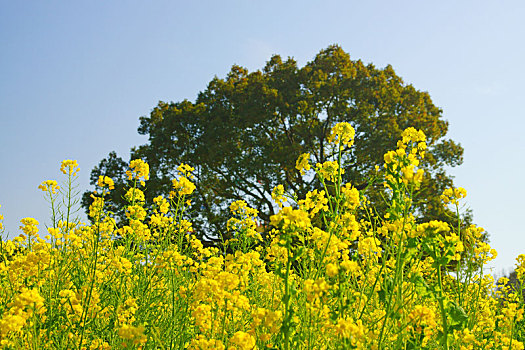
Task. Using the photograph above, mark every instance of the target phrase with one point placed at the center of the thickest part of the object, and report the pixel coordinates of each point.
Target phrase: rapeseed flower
(49, 185)
(329, 170)
(183, 186)
(302, 164)
(104, 180)
(333, 272)
(342, 133)
(69, 167)
(139, 170)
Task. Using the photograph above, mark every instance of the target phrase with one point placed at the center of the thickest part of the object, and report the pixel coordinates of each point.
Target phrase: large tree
(244, 133)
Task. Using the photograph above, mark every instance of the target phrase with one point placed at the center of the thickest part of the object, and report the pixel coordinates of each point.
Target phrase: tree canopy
(244, 133)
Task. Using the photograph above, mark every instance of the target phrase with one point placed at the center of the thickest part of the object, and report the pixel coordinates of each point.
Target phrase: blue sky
(76, 77)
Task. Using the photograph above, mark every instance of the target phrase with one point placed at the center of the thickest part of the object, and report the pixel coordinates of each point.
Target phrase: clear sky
(76, 76)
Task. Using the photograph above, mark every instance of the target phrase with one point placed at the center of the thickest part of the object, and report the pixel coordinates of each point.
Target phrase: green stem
(442, 308)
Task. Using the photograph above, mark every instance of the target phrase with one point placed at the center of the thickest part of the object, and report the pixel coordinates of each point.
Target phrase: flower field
(332, 273)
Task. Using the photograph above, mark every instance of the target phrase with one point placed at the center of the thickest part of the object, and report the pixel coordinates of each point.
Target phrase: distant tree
(244, 133)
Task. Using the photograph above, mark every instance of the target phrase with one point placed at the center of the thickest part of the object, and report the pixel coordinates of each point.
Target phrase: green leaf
(422, 287)
(457, 315)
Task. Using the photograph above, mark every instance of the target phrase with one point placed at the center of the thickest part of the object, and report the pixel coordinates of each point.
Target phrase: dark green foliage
(244, 133)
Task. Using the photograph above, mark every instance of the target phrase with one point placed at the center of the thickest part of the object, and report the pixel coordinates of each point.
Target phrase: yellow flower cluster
(24, 307)
(69, 167)
(135, 195)
(278, 195)
(30, 227)
(402, 164)
(331, 273)
(342, 133)
(104, 180)
(453, 195)
(243, 223)
(302, 164)
(139, 170)
(329, 170)
(183, 187)
(49, 185)
(162, 203)
(186, 170)
(314, 202)
(289, 217)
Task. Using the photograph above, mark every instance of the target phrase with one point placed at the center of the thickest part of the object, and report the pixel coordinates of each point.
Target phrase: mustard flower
(183, 186)
(49, 185)
(343, 133)
(314, 201)
(423, 319)
(96, 207)
(134, 194)
(351, 196)
(484, 252)
(136, 212)
(1, 218)
(302, 163)
(452, 195)
(278, 195)
(138, 170)
(350, 266)
(162, 203)
(413, 136)
(332, 270)
(202, 343)
(29, 297)
(141, 230)
(288, 217)
(244, 341)
(329, 170)
(69, 167)
(369, 246)
(133, 333)
(520, 266)
(316, 289)
(186, 170)
(30, 226)
(354, 331)
(104, 180)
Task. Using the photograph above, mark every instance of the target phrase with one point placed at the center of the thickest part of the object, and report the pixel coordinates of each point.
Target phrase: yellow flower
(201, 343)
(314, 201)
(452, 195)
(244, 341)
(136, 334)
(350, 266)
(290, 217)
(302, 163)
(183, 186)
(104, 180)
(162, 203)
(329, 170)
(342, 132)
(351, 196)
(278, 195)
(138, 170)
(412, 135)
(134, 194)
(186, 170)
(30, 226)
(69, 167)
(331, 270)
(95, 209)
(135, 212)
(355, 331)
(49, 185)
